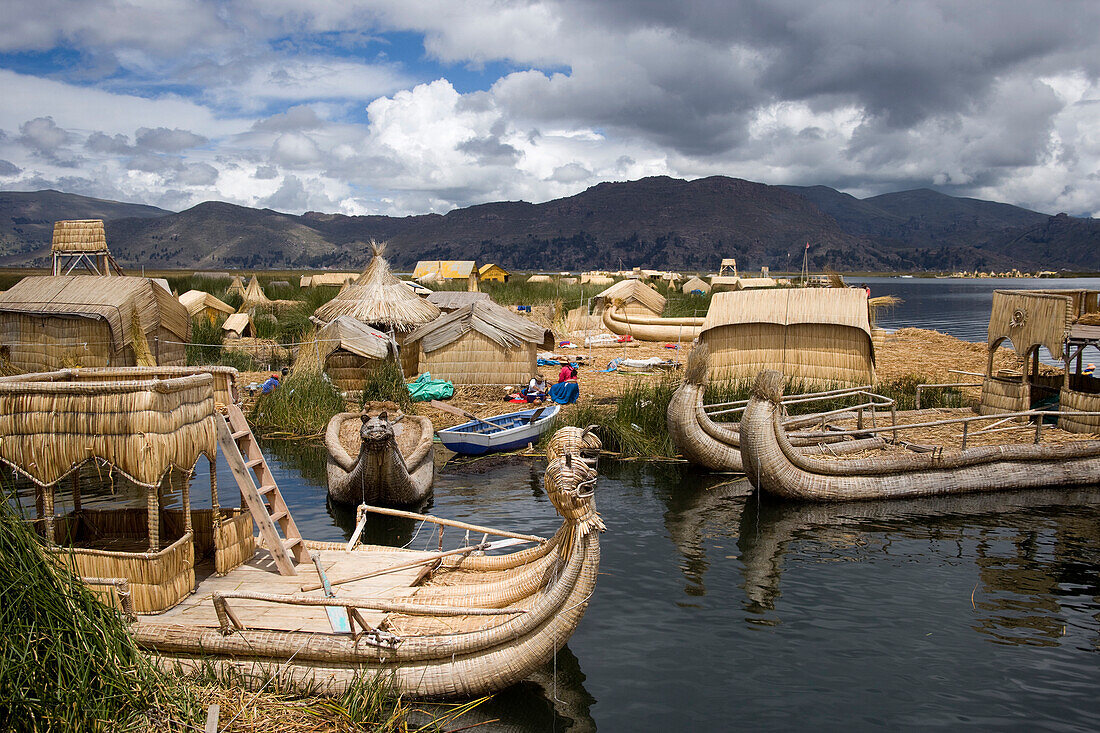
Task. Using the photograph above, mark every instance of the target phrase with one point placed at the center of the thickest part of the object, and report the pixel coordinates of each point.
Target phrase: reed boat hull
(459, 626)
(717, 446)
(648, 328)
(772, 464)
(516, 430)
(401, 473)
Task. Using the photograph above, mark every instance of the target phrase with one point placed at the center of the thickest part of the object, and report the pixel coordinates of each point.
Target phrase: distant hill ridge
(655, 222)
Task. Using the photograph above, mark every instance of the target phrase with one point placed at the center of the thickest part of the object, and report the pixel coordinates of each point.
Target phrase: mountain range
(658, 222)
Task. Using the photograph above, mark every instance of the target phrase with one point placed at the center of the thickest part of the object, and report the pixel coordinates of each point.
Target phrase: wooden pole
(450, 523)
(400, 566)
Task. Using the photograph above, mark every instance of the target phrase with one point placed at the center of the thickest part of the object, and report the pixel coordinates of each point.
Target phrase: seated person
(537, 389)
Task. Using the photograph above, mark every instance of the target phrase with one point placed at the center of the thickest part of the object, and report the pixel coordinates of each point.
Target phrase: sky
(403, 107)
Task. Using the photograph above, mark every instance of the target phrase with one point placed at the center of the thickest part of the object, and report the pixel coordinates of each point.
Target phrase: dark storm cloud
(7, 168)
(99, 142)
(299, 117)
(490, 151)
(164, 140)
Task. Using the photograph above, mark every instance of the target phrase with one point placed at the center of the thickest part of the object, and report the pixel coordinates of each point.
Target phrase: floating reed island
(202, 590)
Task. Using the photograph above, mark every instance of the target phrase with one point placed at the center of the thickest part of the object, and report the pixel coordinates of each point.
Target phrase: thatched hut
(236, 286)
(638, 298)
(238, 325)
(91, 320)
(383, 302)
(539, 279)
(482, 343)
(201, 304)
(347, 351)
(452, 300)
(596, 278)
(696, 283)
(328, 279)
(254, 296)
(813, 335)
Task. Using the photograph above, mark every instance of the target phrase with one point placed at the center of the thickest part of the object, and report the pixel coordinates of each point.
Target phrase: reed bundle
(637, 297)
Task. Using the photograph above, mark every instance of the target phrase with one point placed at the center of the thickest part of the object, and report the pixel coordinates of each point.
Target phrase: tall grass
(302, 405)
(67, 661)
(635, 426)
(386, 382)
(206, 342)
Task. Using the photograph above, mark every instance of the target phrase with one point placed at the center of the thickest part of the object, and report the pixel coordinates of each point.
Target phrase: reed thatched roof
(539, 279)
(696, 283)
(142, 425)
(196, 301)
(637, 291)
(112, 299)
(79, 235)
(749, 283)
(449, 300)
(239, 324)
(498, 323)
(344, 332)
(789, 306)
(332, 279)
(379, 299)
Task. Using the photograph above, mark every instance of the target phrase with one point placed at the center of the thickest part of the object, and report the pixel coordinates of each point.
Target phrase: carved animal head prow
(376, 431)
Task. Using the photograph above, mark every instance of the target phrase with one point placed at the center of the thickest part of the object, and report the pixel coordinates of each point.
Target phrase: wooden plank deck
(260, 575)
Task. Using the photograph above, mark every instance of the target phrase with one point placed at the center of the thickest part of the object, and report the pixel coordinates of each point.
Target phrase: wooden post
(1038, 428)
(859, 419)
(216, 518)
(965, 426)
(894, 419)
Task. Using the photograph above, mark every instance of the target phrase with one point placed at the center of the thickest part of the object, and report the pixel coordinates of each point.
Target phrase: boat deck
(259, 575)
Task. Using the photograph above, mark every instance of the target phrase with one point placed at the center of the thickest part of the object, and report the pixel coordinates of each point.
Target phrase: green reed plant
(386, 382)
(302, 405)
(67, 661)
(206, 341)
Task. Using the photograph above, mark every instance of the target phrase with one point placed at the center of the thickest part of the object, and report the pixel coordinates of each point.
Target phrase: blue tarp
(425, 388)
(548, 362)
(565, 393)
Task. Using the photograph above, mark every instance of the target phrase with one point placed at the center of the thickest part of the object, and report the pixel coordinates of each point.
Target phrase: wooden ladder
(265, 502)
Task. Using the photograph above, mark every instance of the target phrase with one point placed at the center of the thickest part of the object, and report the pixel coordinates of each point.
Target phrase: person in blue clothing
(270, 384)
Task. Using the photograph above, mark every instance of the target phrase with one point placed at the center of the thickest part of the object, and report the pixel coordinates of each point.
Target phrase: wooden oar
(536, 415)
(460, 412)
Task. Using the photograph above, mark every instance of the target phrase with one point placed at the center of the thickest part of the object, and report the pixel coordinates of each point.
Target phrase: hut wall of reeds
(348, 351)
(1070, 399)
(200, 303)
(482, 343)
(51, 322)
(821, 336)
(79, 235)
(638, 298)
(1004, 394)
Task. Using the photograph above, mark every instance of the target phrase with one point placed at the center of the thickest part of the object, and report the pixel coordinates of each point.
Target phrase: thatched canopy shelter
(589, 278)
(79, 235)
(1065, 322)
(200, 303)
(144, 426)
(348, 350)
(696, 283)
(238, 326)
(482, 343)
(539, 279)
(328, 279)
(637, 298)
(91, 320)
(452, 300)
(814, 335)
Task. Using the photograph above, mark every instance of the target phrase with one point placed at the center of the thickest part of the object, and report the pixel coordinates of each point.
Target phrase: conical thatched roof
(254, 295)
(380, 300)
(236, 285)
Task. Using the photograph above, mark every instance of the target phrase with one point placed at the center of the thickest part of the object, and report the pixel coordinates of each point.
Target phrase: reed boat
(203, 590)
(716, 445)
(650, 328)
(510, 431)
(773, 464)
(380, 457)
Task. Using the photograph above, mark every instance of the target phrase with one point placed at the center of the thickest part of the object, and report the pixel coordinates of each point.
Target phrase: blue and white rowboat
(501, 433)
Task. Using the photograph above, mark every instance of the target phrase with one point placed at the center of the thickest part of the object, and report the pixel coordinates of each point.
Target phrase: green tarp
(425, 388)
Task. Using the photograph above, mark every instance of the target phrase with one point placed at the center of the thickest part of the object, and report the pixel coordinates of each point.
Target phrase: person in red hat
(270, 384)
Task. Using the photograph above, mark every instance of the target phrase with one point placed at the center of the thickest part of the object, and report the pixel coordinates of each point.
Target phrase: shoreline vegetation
(69, 663)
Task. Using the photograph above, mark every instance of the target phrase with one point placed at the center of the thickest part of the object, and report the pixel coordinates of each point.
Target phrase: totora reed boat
(373, 459)
(203, 590)
(774, 465)
(717, 445)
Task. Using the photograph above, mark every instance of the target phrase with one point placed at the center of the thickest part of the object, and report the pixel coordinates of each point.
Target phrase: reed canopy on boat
(482, 343)
(48, 322)
(813, 335)
(140, 426)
